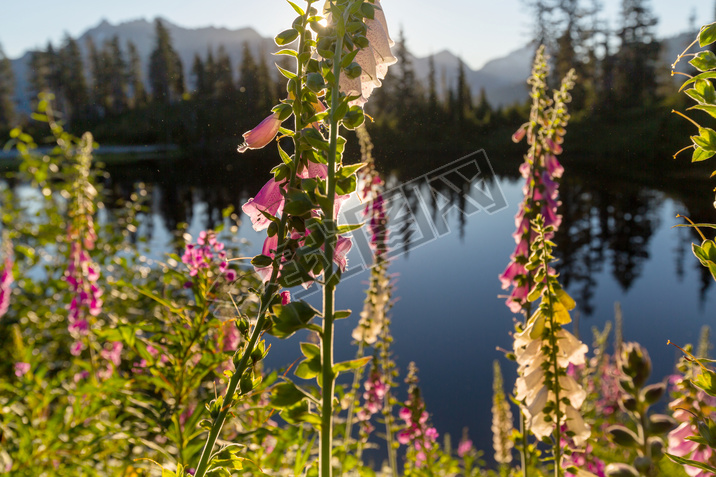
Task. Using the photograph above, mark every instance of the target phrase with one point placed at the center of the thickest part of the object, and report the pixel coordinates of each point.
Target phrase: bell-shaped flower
(262, 134)
(532, 388)
(269, 200)
(374, 59)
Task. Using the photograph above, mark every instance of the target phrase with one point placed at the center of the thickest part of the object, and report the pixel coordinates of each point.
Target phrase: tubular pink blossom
(262, 134)
(269, 200)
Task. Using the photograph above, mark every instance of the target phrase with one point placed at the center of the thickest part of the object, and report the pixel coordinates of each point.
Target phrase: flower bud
(652, 393)
(642, 464)
(661, 423)
(634, 362)
(622, 436)
(656, 445)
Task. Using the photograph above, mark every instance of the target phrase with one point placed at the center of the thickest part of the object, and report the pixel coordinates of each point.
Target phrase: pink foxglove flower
(6, 280)
(269, 200)
(262, 134)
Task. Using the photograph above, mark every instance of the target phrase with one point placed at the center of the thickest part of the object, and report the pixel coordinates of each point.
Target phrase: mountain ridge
(503, 78)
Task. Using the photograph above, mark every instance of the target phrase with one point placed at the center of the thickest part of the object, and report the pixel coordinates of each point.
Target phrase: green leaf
(315, 139)
(286, 37)
(298, 9)
(704, 76)
(367, 10)
(286, 73)
(310, 350)
(261, 261)
(692, 463)
(346, 171)
(339, 315)
(287, 52)
(706, 381)
(706, 89)
(348, 59)
(290, 318)
(308, 368)
(707, 35)
(352, 364)
(346, 186)
(706, 139)
(315, 82)
(298, 203)
(701, 155)
(707, 108)
(344, 229)
(704, 61)
(354, 117)
(285, 395)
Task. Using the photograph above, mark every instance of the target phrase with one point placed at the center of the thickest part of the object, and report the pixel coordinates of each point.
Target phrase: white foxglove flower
(374, 60)
(530, 387)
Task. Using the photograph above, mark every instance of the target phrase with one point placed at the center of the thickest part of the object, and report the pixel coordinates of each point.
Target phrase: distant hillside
(503, 78)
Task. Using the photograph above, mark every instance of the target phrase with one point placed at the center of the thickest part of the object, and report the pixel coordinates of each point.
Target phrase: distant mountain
(187, 42)
(504, 79)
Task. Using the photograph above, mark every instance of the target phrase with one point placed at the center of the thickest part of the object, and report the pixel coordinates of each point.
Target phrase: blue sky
(477, 30)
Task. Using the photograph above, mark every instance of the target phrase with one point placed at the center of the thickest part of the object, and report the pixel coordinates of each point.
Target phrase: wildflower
(21, 369)
(541, 169)
(6, 280)
(417, 433)
(285, 297)
(374, 59)
(690, 398)
(269, 200)
(113, 354)
(501, 420)
(531, 353)
(207, 254)
(231, 337)
(262, 134)
(464, 447)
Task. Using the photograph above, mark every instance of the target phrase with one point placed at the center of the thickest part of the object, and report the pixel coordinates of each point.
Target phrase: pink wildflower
(21, 369)
(262, 134)
(6, 280)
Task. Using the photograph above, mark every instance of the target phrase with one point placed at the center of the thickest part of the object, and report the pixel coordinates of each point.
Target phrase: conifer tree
(210, 74)
(223, 77)
(134, 75)
(166, 75)
(635, 71)
(265, 95)
(198, 73)
(72, 80)
(248, 81)
(432, 90)
(116, 69)
(463, 106)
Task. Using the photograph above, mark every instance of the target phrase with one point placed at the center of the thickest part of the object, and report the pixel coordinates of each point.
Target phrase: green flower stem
(329, 289)
(230, 390)
(357, 376)
(271, 289)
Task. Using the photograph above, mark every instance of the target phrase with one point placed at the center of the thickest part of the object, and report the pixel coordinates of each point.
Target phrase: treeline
(617, 67)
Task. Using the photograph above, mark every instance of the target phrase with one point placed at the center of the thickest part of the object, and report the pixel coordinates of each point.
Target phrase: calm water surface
(616, 244)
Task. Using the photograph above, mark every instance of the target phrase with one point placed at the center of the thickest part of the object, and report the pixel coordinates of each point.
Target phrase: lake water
(616, 244)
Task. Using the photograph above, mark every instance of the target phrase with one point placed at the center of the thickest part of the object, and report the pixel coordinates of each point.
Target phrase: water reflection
(607, 224)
